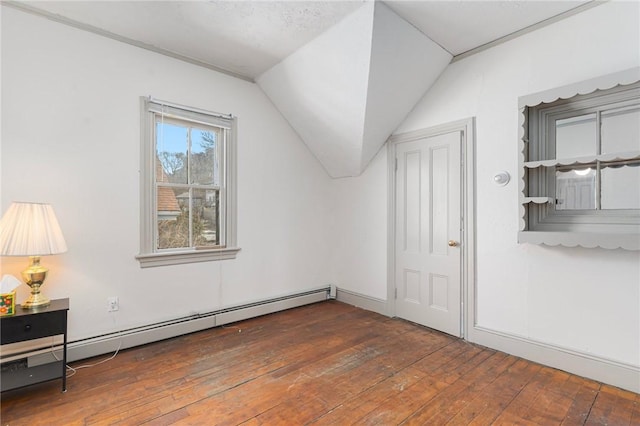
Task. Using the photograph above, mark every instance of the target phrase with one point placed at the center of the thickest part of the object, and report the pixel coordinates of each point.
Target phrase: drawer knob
(27, 327)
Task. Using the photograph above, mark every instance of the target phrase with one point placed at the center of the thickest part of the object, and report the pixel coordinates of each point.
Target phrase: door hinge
(395, 292)
(396, 164)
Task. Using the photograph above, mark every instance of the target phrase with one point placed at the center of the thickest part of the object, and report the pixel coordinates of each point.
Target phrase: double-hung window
(580, 164)
(188, 185)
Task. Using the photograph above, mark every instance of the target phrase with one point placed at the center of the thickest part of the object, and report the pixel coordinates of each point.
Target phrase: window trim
(570, 228)
(545, 182)
(148, 256)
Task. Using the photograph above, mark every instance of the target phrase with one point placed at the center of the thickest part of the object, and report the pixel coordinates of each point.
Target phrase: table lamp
(31, 229)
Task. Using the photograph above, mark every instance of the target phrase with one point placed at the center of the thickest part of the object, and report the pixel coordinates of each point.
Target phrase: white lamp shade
(30, 229)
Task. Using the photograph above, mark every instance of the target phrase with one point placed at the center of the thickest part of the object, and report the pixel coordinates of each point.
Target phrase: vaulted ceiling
(349, 88)
(343, 73)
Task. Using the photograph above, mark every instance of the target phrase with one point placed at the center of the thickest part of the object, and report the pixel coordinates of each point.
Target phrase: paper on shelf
(8, 283)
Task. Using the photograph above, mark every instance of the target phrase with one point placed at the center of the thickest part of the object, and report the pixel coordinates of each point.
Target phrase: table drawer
(18, 329)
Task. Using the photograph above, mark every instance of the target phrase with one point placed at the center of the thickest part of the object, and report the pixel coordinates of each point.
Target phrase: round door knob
(453, 243)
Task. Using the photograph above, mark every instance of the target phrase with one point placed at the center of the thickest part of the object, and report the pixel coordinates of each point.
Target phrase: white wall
(586, 300)
(578, 301)
(71, 137)
(359, 229)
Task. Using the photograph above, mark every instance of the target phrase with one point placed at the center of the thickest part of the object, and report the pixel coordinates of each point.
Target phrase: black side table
(29, 324)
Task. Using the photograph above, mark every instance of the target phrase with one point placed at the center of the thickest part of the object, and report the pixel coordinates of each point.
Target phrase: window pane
(205, 217)
(172, 217)
(621, 186)
(576, 136)
(204, 158)
(171, 152)
(621, 131)
(576, 189)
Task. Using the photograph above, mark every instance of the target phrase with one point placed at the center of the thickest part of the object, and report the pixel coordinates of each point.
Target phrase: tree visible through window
(188, 184)
(188, 181)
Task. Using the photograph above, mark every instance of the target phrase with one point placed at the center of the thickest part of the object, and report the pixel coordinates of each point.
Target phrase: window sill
(179, 258)
(630, 241)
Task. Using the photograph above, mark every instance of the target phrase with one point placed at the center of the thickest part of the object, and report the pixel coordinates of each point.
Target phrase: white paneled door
(428, 231)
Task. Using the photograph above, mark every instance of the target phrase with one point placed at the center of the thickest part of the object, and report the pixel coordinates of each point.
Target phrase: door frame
(467, 208)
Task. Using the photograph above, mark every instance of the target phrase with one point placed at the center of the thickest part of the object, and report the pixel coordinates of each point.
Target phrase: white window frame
(149, 255)
(540, 221)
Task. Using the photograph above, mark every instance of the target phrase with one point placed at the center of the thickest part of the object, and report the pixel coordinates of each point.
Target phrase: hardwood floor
(323, 364)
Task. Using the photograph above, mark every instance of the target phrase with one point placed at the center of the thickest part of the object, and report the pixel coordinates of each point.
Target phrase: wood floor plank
(349, 372)
(484, 410)
(582, 402)
(542, 400)
(129, 372)
(435, 379)
(300, 372)
(322, 364)
(612, 406)
(635, 415)
(399, 406)
(360, 405)
(203, 382)
(368, 400)
(459, 395)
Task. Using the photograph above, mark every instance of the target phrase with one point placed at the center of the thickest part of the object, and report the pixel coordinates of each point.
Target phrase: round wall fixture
(501, 178)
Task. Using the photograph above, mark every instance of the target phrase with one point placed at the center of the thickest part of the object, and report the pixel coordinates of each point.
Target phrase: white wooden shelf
(624, 156)
(627, 241)
(537, 200)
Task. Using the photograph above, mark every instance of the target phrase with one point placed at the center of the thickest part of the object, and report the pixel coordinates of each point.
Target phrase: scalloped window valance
(579, 158)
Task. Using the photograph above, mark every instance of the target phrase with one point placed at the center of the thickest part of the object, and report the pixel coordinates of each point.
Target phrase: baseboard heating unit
(123, 339)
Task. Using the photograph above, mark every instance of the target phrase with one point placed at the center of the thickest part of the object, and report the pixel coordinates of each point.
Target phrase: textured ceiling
(461, 26)
(343, 73)
(246, 38)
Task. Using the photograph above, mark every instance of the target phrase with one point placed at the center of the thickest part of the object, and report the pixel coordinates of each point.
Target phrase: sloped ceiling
(245, 38)
(349, 88)
(343, 73)
(241, 38)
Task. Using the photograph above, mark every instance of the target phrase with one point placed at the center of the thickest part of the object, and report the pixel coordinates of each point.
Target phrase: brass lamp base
(34, 277)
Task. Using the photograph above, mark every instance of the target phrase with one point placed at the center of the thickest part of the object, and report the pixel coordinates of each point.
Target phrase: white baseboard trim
(604, 370)
(587, 365)
(247, 312)
(612, 372)
(108, 343)
(361, 301)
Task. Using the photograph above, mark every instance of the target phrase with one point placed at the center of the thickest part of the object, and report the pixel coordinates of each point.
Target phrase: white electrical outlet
(113, 304)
